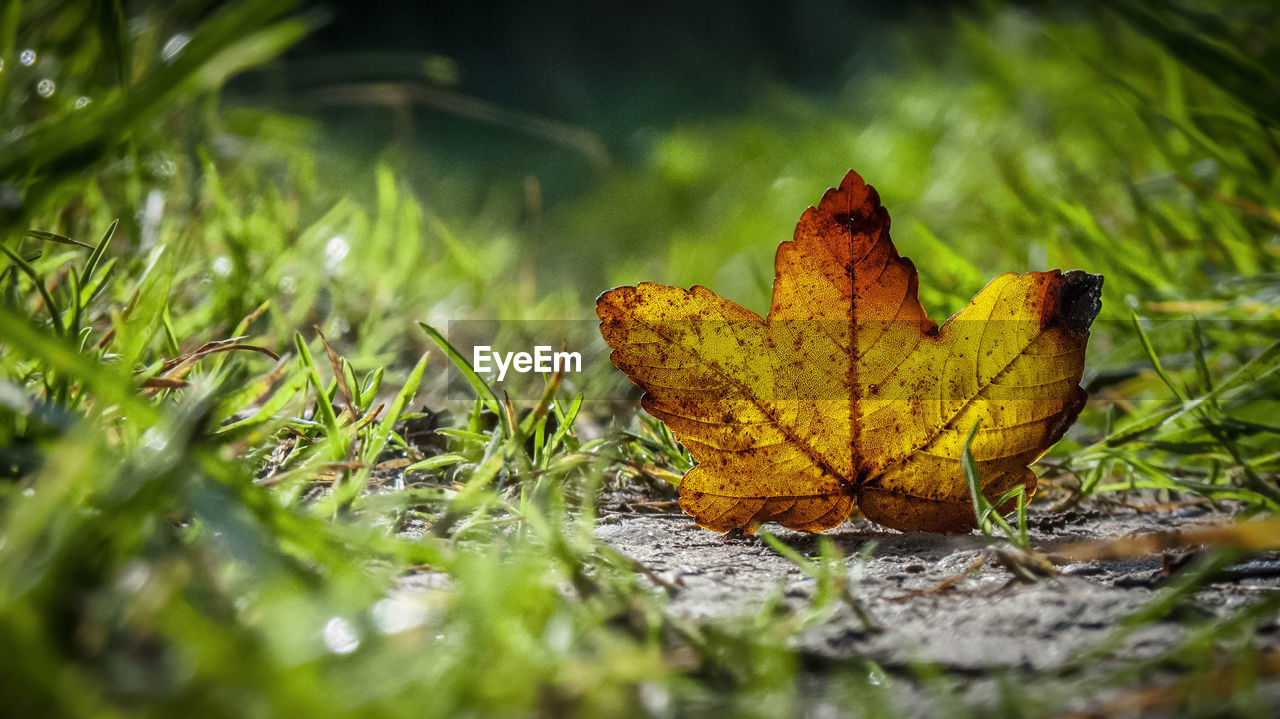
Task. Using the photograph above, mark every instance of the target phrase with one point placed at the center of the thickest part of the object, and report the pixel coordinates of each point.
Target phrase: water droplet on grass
(340, 637)
(334, 253)
(398, 614)
(155, 440)
(174, 46)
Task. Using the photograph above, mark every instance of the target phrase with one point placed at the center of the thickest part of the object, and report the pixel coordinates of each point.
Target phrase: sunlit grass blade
(981, 508)
(986, 513)
(1250, 373)
(1154, 358)
(54, 237)
(324, 407)
(464, 434)
(482, 389)
(431, 464)
(382, 433)
(372, 384)
(565, 425)
(340, 372)
(92, 264)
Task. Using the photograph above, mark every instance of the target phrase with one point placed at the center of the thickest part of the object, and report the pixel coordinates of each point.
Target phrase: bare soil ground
(927, 602)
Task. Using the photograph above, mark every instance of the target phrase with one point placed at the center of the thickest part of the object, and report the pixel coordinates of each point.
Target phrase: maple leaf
(847, 397)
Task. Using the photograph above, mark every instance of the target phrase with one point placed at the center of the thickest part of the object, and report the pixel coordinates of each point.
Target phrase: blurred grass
(190, 526)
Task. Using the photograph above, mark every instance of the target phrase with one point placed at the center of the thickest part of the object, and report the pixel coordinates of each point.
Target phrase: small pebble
(797, 591)
(1081, 570)
(1137, 579)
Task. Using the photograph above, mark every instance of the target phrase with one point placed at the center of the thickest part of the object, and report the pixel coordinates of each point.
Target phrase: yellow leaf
(847, 396)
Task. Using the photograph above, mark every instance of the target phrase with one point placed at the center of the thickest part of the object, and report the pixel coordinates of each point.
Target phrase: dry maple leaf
(847, 397)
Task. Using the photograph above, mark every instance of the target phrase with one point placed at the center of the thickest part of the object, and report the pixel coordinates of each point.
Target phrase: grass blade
(973, 479)
(29, 271)
(95, 258)
(483, 391)
(54, 237)
(1154, 359)
(333, 432)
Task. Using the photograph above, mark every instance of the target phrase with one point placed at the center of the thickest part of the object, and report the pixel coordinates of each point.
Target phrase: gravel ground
(928, 603)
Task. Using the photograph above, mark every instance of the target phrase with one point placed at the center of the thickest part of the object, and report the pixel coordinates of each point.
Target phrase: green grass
(189, 525)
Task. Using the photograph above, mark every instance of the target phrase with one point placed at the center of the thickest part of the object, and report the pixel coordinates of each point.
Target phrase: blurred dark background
(504, 87)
